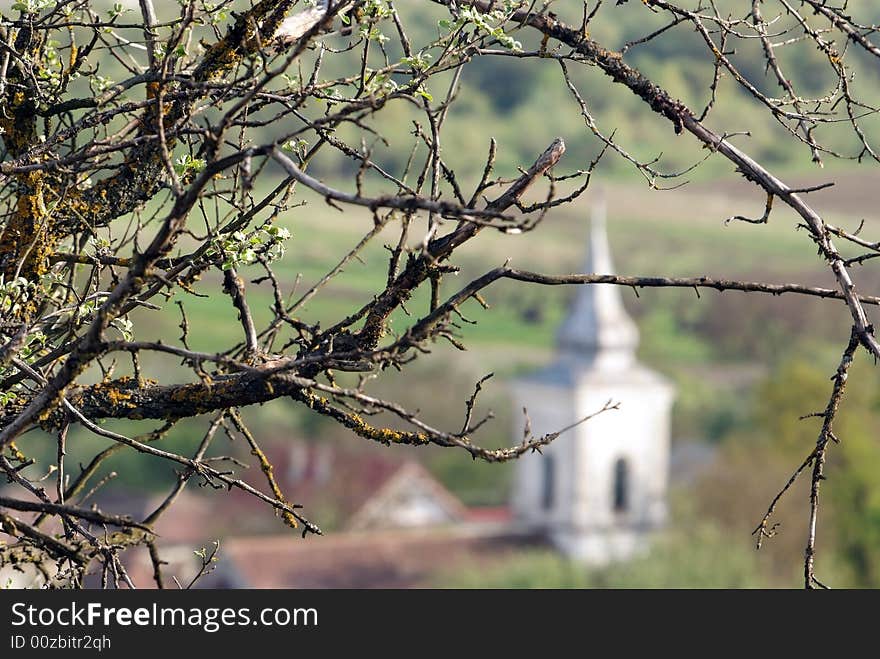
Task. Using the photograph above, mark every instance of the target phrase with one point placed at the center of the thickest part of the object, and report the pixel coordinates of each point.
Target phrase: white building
(600, 489)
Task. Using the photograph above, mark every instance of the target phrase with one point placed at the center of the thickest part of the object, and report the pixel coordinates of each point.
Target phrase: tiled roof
(388, 559)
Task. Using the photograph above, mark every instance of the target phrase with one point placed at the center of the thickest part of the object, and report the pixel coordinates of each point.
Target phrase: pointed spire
(598, 329)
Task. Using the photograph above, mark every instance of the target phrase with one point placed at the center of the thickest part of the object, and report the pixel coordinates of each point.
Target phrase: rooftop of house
(356, 559)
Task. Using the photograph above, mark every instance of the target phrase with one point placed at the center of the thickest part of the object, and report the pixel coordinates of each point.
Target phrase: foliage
(177, 178)
(777, 437)
(697, 557)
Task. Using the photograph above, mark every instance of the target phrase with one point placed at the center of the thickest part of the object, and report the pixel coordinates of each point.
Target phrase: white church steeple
(599, 490)
(598, 329)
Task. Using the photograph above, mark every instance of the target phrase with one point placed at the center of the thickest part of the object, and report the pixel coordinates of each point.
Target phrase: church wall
(638, 432)
(550, 408)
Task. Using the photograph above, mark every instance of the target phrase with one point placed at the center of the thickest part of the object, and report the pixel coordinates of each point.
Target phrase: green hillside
(524, 103)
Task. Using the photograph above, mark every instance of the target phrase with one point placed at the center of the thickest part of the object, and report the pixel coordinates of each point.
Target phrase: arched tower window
(548, 482)
(621, 485)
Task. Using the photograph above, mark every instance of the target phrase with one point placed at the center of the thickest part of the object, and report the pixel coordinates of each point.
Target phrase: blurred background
(745, 367)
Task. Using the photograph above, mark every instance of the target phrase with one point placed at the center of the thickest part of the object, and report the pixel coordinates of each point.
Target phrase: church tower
(600, 488)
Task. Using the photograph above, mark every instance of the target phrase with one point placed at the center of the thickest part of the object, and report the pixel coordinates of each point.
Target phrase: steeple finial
(598, 329)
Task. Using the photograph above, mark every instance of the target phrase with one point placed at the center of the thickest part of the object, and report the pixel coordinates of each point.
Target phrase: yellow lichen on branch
(356, 423)
(265, 466)
(26, 241)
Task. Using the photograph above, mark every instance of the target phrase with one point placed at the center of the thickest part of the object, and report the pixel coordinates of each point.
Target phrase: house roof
(410, 496)
(342, 488)
(387, 559)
